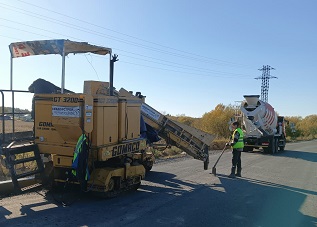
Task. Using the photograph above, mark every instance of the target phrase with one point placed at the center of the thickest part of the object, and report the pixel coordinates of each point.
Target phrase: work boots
(238, 174)
(233, 170)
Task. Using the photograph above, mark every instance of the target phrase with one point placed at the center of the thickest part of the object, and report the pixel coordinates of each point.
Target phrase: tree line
(8, 110)
(216, 122)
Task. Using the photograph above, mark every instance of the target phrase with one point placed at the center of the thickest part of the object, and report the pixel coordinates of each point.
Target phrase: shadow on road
(164, 200)
(304, 155)
(310, 156)
(270, 204)
(231, 202)
(168, 180)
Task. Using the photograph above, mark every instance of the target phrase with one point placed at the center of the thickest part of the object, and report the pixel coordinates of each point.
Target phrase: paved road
(275, 190)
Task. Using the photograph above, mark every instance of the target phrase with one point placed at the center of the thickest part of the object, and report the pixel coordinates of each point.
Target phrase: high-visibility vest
(78, 151)
(240, 143)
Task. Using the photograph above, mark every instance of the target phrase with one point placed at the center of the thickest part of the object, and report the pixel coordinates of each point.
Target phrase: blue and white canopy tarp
(57, 46)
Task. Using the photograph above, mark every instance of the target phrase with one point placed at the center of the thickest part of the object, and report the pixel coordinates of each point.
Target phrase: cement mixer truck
(263, 128)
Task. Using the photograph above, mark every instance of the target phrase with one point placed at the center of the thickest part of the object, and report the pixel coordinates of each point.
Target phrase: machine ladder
(16, 154)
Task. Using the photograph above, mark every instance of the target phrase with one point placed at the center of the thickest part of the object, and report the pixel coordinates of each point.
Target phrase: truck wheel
(272, 146)
(276, 145)
(248, 149)
(282, 148)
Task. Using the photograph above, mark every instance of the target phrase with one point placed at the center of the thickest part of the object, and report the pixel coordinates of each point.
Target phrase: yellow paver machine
(94, 139)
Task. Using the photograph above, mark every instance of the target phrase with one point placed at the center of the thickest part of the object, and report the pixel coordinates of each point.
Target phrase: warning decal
(66, 111)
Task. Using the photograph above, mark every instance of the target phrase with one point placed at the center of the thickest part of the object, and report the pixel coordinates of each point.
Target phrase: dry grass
(172, 151)
(20, 126)
(19, 168)
(168, 152)
(218, 144)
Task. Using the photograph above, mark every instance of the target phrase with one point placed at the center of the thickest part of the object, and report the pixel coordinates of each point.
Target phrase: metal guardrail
(2, 117)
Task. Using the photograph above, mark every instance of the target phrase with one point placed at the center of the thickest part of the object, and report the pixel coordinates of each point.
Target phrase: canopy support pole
(11, 73)
(63, 71)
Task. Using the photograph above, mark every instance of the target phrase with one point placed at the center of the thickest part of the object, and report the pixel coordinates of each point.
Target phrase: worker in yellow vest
(237, 145)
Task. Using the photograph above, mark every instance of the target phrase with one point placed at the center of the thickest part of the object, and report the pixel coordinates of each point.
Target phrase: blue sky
(185, 56)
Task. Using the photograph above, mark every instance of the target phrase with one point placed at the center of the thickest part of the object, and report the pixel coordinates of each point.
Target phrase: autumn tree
(216, 121)
(293, 132)
(184, 119)
(190, 121)
(308, 126)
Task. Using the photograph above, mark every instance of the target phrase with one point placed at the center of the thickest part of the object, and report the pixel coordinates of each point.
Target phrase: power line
(206, 75)
(181, 66)
(65, 24)
(91, 65)
(25, 31)
(190, 73)
(171, 70)
(196, 68)
(121, 33)
(200, 58)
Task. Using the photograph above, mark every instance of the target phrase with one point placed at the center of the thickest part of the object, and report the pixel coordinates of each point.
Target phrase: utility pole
(265, 81)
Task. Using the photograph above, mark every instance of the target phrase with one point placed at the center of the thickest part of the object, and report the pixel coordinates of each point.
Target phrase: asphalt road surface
(275, 190)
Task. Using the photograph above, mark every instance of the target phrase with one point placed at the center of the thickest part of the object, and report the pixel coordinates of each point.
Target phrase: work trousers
(236, 158)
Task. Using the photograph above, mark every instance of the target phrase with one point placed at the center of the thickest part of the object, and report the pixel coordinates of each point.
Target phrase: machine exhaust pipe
(112, 61)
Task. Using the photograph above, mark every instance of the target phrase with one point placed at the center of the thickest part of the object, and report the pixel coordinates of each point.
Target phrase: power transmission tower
(265, 81)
